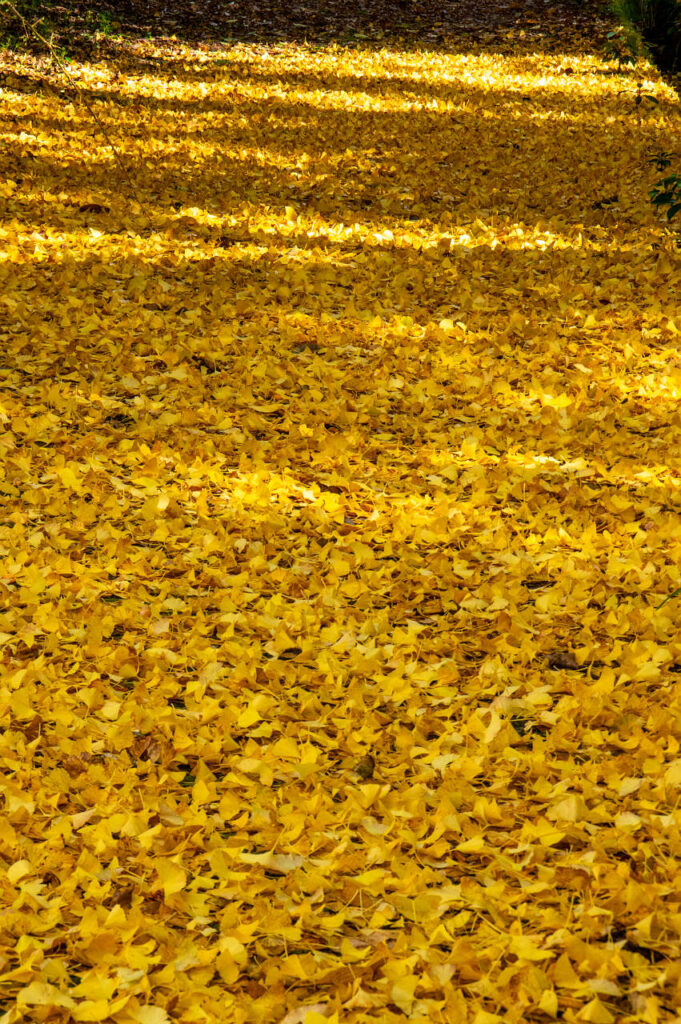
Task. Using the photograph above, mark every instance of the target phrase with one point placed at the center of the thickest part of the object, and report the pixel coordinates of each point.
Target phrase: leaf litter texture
(340, 493)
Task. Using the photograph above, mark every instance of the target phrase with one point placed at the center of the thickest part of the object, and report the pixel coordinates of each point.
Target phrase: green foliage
(623, 45)
(100, 22)
(22, 22)
(661, 160)
(641, 97)
(659, 23)
(12, 31)
(667, 192)
(642, 100)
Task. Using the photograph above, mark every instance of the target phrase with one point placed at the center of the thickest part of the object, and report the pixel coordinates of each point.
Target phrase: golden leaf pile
(341, 486)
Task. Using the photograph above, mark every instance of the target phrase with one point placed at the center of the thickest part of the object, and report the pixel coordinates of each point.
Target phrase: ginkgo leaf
(596, 1013)
(525, 949)
(172, 876)
(41, 993)
(92, 1010)
(572, 808)
(273, 861)
(548, 1002)
(402, 992)
(19, 870)
(473, 845)
(149, 1014)
(672, 775)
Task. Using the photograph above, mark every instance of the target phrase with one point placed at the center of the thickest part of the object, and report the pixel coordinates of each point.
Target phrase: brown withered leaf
(365, 767)
(564, 659)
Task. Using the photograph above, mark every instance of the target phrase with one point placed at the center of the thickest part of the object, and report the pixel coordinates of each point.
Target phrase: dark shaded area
(426, 20)
(542, 24)
(660, 26)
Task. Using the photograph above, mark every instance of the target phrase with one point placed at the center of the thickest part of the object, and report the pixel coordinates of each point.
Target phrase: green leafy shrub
(622, 45)
(667, 192)
(659, 22)
(662, 160)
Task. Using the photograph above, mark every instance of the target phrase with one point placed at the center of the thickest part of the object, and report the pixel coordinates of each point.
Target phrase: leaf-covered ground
(340, 486)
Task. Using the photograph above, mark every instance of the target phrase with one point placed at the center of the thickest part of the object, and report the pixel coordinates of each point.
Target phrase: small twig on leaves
(31, 29)
(674, 593)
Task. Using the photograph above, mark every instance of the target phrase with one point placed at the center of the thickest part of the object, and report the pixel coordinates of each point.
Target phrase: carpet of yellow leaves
(340, 486)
